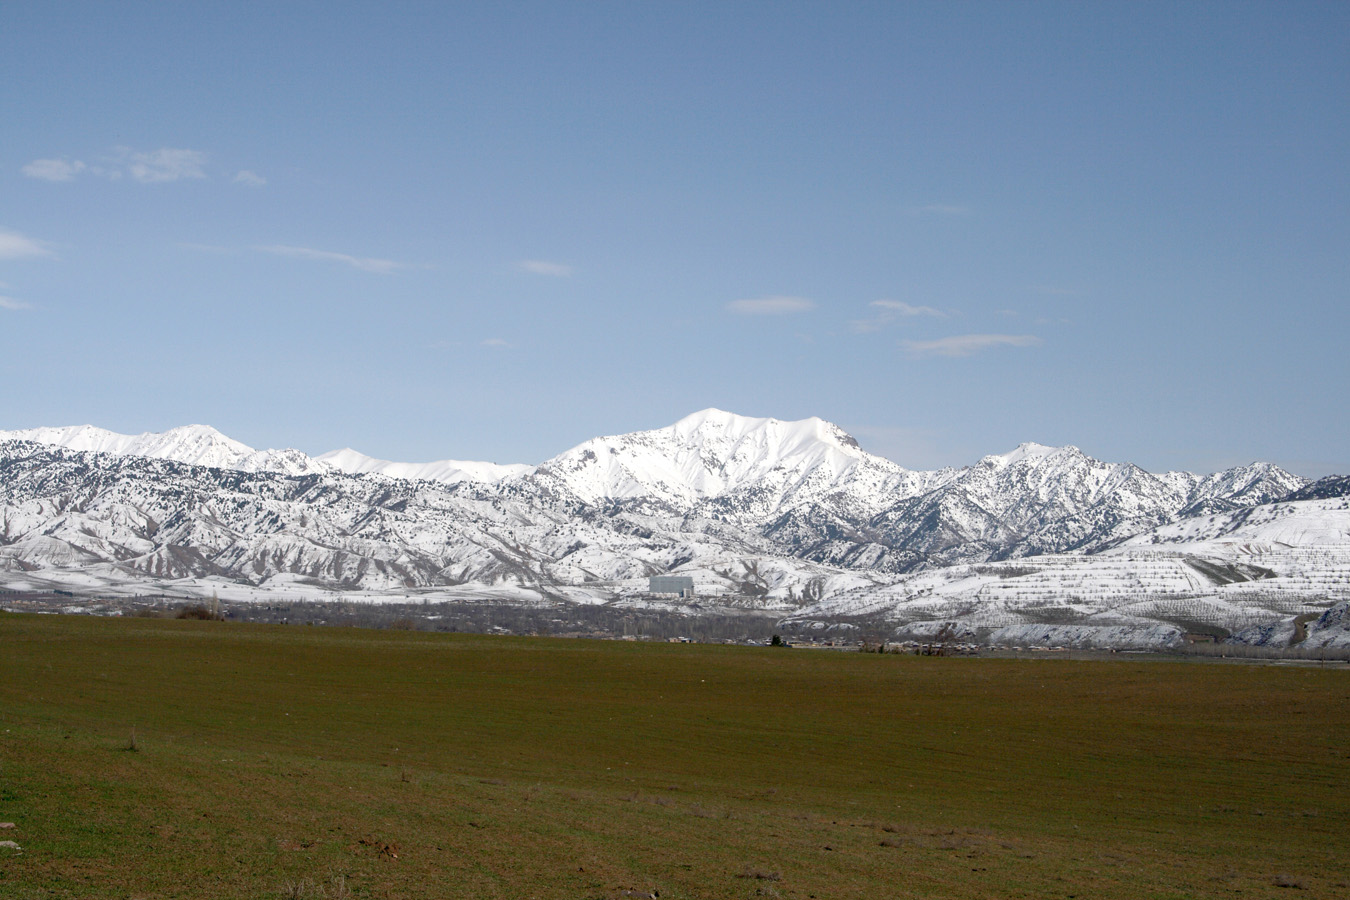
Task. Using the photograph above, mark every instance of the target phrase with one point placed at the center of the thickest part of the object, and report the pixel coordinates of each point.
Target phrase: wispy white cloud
(17, 246)
(166, 164)
(249, 179)
(901, 308)
(54, 169)
(11, 303)
(365, 264)
(544, 267)
(889, 311)
(968, 344)
(771, 306)
(148, 167)
(496, 342)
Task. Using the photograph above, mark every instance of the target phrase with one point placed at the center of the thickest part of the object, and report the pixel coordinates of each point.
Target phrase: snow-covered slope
(1037, 500)
(74, 516)
(449, 471)
(198, 445)
(807, 485)
(792, 516)
(1291, 524)
(202, 445)
(1250, 575)
(747, 463)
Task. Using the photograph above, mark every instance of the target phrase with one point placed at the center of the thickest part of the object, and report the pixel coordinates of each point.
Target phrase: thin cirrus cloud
(771, 306)
(499, 343)
(167, 164)
(968, 344)
(901, 308)
(544, 267)
(365, 264)
(249, 179)
(890, 311)
(14, 245)
(11, 303)
(54, 169)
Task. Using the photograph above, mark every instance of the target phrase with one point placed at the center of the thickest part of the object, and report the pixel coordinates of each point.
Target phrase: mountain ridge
(761, 513)
(806, 485)
(206, 445)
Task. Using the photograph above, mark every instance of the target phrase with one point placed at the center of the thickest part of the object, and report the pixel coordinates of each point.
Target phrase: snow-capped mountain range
(196, 445)
(782, 515)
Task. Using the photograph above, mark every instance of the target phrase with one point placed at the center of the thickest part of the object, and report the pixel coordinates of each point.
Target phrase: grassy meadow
(275, 761)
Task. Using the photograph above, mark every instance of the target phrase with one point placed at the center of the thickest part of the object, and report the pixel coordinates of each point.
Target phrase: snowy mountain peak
(711, 453)
(765, 512)
(719, 419)
(186, 443)
(199, 445)
(1031, 452)
(788, 438)
(446, 470)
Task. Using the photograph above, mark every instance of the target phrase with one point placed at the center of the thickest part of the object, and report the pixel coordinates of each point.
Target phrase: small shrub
(199, 611)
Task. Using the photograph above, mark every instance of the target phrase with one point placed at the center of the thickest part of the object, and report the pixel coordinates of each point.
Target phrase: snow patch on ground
(1090, 637)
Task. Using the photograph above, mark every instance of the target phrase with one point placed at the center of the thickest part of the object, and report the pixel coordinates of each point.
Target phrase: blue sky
(491, 231)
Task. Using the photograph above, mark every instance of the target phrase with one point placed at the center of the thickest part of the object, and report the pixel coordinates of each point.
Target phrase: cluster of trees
(472, 617)
(1250, 651)
(483, 617)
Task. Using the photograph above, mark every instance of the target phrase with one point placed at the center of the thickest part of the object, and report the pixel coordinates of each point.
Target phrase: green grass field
(315, 762)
